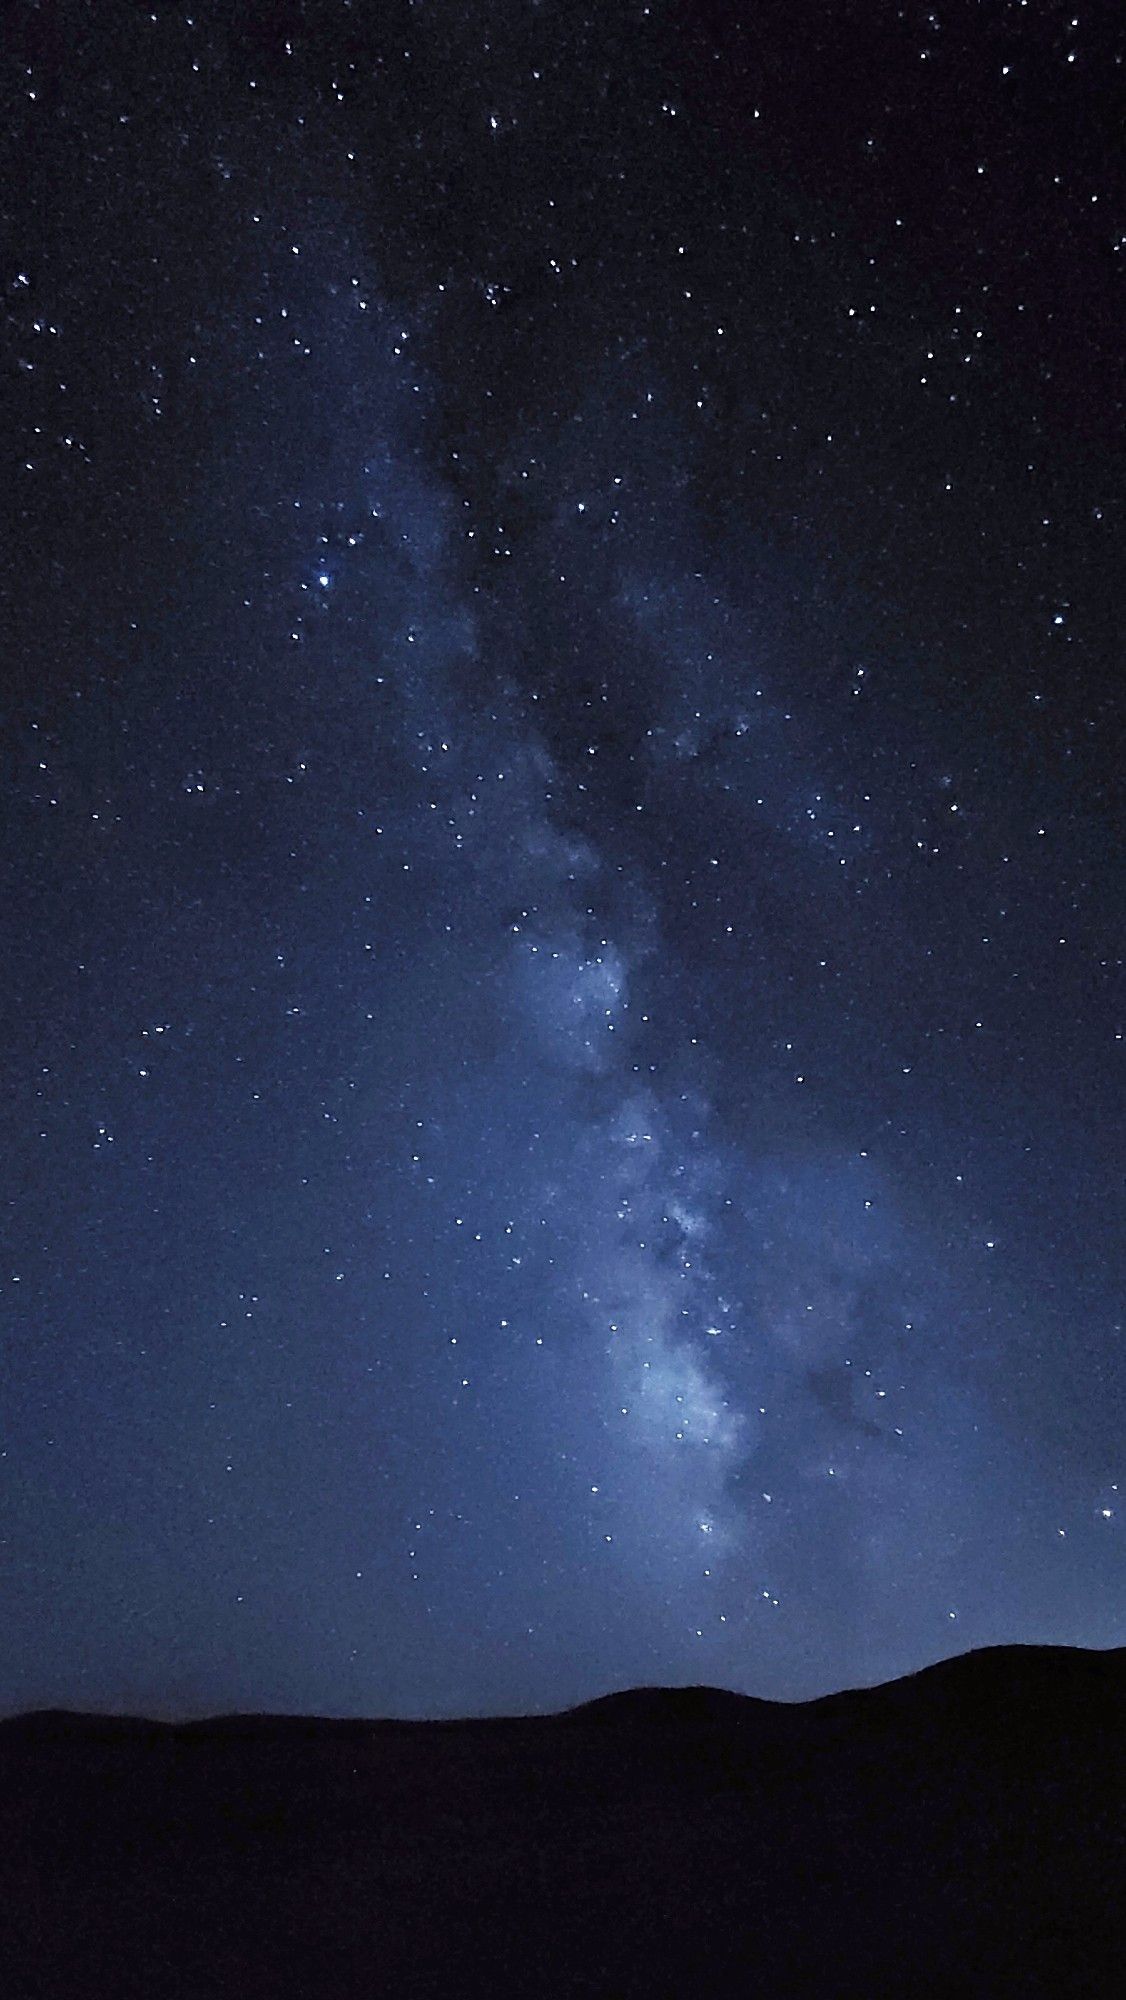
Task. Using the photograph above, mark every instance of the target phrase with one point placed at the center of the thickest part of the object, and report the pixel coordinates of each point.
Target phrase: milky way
(559, 873)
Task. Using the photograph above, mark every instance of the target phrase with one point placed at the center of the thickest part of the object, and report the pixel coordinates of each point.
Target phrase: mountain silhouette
(960, 1831)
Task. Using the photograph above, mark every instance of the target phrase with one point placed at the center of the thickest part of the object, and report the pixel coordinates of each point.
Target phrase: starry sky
(562, 1010)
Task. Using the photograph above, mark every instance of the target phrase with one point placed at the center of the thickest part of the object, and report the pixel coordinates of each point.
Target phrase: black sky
(561, 851)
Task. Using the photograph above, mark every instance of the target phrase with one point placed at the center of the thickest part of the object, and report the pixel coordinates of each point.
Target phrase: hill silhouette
(960, 1831)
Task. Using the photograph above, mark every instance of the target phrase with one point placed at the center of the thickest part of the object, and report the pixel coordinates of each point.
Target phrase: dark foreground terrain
(959, 1832)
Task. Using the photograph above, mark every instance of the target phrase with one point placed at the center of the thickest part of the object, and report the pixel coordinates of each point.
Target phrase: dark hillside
(958, 1832)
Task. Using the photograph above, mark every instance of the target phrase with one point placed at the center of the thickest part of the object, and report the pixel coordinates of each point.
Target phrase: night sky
(560, 873)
